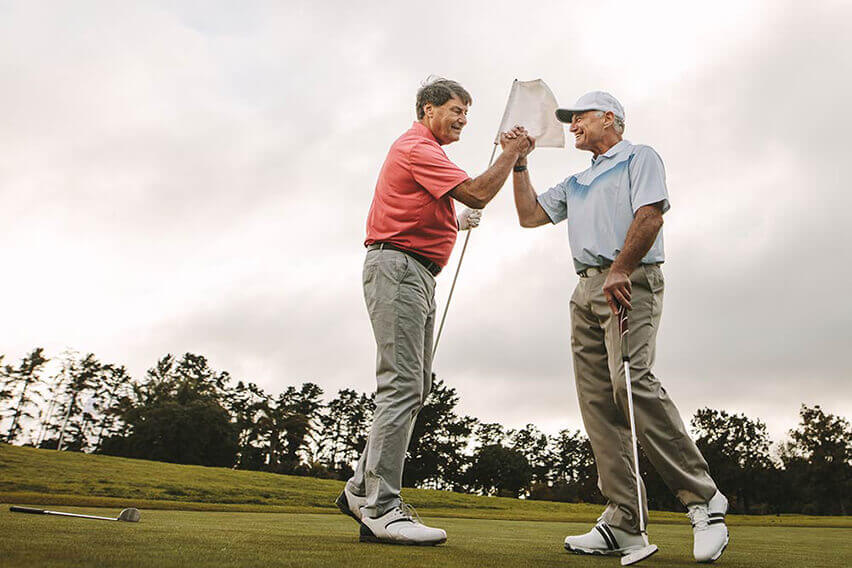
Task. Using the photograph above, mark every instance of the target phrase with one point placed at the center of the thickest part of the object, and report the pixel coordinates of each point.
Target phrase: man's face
(587, 128)
(446, 121)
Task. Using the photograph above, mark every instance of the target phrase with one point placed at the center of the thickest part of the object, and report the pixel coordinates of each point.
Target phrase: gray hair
(617, 123)
(437, 90)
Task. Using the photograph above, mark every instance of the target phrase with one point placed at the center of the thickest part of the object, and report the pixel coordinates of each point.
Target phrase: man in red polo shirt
(411, 230)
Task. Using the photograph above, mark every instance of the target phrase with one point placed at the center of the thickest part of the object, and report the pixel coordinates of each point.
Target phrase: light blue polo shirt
(600, 202)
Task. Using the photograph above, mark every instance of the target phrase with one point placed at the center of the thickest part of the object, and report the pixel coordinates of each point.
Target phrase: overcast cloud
(196, 177)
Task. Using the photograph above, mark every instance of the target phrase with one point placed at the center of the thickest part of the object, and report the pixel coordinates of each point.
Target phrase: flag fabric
(532, 105)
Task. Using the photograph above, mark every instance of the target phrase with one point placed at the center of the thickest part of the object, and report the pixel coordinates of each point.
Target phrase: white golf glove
(469, 218)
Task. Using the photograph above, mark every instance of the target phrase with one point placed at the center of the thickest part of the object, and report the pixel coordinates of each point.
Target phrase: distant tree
(265, 451)
(5, 387)
(818, 463)
(574, 475)
(489, 434)
(345, 425)
(194, 431)
(177, 415)
(76, 407)
(294, 416)
(246, 403)
(498, 470)
(534, 446)
(309, 404)
(285, 433)
(51, 417)
(115, 384)
(22, 379)
(435, 454)
(737, 451)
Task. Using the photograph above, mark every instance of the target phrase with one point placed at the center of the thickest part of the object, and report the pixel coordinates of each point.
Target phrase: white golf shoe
(708, 528)
(604, 540)
(400, 525)
(350, 504)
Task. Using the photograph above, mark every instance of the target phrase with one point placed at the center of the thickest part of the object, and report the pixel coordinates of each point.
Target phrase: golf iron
(648, 549)
(128, 515)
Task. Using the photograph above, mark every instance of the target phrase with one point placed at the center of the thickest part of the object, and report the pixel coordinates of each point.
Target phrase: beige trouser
(602, 392)
(400, 297)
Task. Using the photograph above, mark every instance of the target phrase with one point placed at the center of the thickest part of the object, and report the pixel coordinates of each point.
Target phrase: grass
(213, 539)
(221, 517)
(29, 475)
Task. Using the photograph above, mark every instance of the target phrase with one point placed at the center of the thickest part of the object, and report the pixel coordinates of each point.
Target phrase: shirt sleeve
(647, 179)
(554, 201)
(432, 169)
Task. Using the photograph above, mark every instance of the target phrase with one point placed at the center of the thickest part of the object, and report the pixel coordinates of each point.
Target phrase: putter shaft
(625, 356)
(30, 510)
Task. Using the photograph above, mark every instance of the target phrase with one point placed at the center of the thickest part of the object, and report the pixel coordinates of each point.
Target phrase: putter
(648, 549)
(128, 515)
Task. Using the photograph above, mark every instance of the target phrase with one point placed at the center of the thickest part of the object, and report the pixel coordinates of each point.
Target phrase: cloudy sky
(195, 176)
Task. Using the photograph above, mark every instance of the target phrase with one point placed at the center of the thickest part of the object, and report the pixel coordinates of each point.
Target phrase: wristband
(519, 169)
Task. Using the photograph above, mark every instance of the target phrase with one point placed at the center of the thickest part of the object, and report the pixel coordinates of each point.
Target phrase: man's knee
(402, 392)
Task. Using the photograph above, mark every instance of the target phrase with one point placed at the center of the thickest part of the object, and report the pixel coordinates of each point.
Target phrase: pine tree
(85, 376)
(115, 384)
(23, 379)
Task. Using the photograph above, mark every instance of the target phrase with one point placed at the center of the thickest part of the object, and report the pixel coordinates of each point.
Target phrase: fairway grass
(213, 539)
(47, 477)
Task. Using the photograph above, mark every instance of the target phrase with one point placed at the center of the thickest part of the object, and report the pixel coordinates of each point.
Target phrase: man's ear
(609, 119)
(428, 109)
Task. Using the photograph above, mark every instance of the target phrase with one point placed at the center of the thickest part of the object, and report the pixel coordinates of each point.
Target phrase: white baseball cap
(595, 100)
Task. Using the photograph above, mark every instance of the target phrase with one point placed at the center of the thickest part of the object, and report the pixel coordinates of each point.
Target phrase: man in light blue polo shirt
(615, 212)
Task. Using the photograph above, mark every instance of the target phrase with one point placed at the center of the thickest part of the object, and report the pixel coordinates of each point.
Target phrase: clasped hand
(519, 140)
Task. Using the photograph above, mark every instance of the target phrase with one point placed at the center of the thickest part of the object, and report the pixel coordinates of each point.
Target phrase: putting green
(212, 539)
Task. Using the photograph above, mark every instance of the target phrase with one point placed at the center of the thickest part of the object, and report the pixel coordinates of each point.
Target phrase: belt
(592, 270)
(432, 267)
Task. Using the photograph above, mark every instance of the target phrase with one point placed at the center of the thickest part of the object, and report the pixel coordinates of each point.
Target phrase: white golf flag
(532, 105)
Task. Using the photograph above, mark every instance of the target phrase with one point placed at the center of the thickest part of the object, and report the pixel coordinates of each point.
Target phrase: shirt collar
(615, 149)
(422, 130)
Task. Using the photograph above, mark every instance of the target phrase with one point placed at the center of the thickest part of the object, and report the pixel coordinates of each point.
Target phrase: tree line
(183, 411)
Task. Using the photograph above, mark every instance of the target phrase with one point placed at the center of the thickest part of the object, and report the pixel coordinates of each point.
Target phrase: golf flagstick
(532, 105)
(648, 549)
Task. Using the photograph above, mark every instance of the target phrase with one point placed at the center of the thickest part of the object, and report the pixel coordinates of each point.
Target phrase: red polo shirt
(412, 207)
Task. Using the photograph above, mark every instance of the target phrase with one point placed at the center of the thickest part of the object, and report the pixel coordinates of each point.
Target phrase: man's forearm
(640, 237)
(485, 186)
(526, 201)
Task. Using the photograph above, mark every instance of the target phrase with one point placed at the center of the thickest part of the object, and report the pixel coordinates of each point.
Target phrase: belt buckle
(591, 271)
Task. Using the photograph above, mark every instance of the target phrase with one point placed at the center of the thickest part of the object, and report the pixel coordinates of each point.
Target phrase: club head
(129, 515)
(639, 555)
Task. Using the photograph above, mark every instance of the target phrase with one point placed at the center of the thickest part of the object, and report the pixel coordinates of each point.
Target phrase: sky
(195, 177)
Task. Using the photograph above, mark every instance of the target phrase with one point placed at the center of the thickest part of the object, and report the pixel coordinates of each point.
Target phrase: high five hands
(518, 138)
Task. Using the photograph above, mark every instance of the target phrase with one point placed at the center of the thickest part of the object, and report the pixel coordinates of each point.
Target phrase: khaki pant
(601, 389)
(400, 297)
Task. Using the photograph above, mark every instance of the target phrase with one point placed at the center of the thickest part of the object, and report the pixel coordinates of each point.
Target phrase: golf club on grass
(648, 549)
(128, 515)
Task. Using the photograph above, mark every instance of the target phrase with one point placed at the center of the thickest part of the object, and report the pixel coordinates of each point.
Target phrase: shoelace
(699, 515)
(410, 512)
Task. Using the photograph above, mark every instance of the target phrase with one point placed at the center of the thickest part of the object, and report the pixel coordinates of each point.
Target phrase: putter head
(639, 555)
(129, 515)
